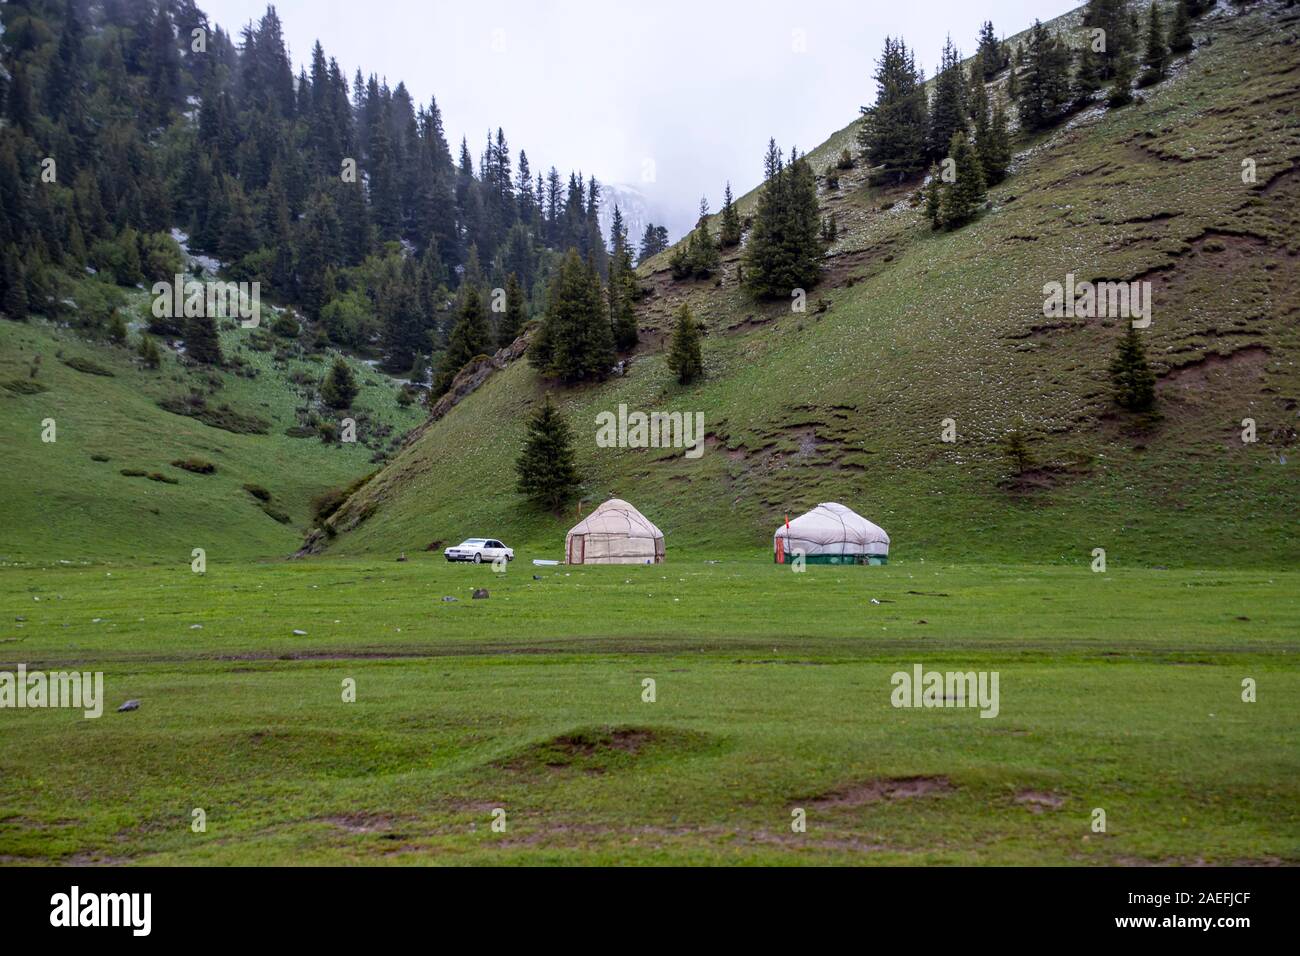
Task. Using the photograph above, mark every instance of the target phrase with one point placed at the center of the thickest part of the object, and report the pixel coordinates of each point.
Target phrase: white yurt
(831, 534)
(615, 533)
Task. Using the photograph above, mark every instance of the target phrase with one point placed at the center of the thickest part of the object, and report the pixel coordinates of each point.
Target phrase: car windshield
(471, 541)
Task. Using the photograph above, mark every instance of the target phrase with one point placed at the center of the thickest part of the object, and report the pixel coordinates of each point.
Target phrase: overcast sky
(673, 97)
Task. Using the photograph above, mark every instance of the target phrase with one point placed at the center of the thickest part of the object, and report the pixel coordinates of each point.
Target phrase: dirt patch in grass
(873, 791)
(1197, 375)
(1039, 800)
(600, 750)
(360, 822)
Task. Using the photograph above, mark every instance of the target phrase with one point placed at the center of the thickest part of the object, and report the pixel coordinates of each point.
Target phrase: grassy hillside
(910, 327)
(69, 501)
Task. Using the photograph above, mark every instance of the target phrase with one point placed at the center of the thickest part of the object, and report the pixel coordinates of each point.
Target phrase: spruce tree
(623, 293)
(893, 133)
(934, 199)
(1044, 90)
(989, 56)
(684, 358)
(994, 147)
(962, 197)
(1156, 57)
(1180, 31)
(469, 339)
(1111, 17)
(576, 342)
(1132, 381)
(785, 247)
(1016, 448)
(202, 344)
(15, 286)
(117, 329)
(546, 468)
(948, 108)
(512, 320)
(729, 235)
(339, 389)
(150, 357)
(1121, 89)
(653, 242)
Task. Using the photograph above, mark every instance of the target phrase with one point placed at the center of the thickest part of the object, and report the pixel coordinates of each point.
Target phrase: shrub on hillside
(196, 465)
(221, 416)
(87, 367)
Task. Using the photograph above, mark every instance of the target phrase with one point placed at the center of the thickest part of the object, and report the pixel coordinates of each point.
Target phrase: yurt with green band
(830, 534)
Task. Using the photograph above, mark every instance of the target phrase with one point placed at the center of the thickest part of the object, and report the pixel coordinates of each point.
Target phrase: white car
(479, 550)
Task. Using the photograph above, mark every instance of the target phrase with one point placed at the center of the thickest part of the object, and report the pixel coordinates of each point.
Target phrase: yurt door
(577, 548)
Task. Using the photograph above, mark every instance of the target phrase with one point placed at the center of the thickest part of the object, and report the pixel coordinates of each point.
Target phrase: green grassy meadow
(1119, 690)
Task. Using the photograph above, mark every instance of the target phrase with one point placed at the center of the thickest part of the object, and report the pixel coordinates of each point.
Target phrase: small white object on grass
(299, 633)
(129, 705)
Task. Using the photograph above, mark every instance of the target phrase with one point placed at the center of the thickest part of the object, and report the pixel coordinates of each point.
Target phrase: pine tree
(990, 59)
(653, 241)
(1111, 17)
(934, 199)
(948, 108)
(576, 342)
(1132, 381)
(994, 147)
(893, 133)
(1121, 90)
(150, 357)
(202, 344)
(1016, 448)
(977, 98)
(546, 467)
(469, 338)
(339, 389)
(623, 288)
(1045, 88)
(962, 197)
(15, 286)
(117, 329)
(785, 248)
(684, 358)
(830, 228)
(164, 66)
(1156, 57)
(512, 320)
(405, 332)
(1180, 31)
(698, 257)
(729, 235)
